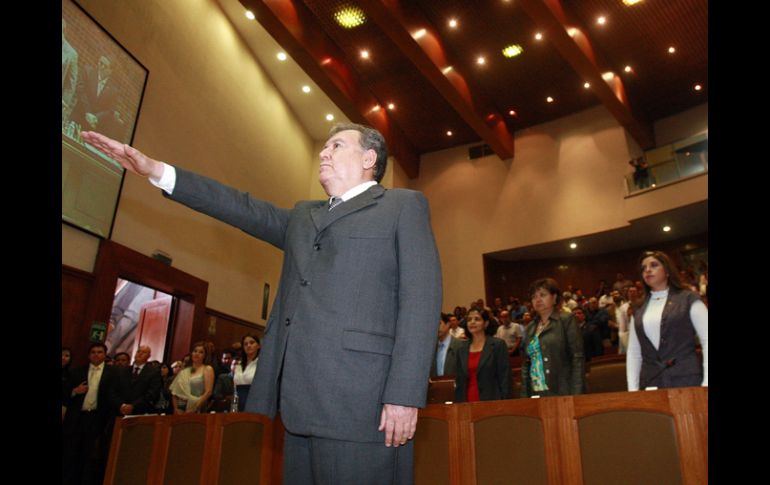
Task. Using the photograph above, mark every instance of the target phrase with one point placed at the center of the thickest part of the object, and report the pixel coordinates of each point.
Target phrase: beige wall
(566, 180)
(208, 107)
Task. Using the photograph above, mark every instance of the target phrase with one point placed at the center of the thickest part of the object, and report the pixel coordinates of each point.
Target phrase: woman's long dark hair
(243, 349)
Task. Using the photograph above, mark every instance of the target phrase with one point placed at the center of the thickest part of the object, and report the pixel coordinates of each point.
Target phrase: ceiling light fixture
(601, 20)
(608, 76)
(538, 36)
(631, 3)
(305, 89)
(512, 112)
(666, 228)
(549, 99)
(448, 133)
(628, 69)
(391, 106)
(329, 117)
(419, 34)
(573, 246)
(671, 50)
(586, 85)
(281, 56)
(697, 87)
(453, 23)
(350, 17)
(364, 54)
(250, 15)
(481, 60)
(512, 50)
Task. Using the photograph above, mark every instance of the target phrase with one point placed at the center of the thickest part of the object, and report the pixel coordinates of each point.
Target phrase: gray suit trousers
(322, 461)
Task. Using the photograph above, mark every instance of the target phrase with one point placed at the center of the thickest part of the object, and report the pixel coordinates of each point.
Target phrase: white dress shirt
(94, 377)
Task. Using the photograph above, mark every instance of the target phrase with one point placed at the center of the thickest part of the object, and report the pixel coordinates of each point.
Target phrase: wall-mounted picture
(102, 86)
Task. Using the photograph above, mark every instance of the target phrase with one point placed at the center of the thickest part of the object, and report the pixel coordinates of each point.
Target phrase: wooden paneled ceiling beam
(295, 28)
(416, 38)
(576, 49)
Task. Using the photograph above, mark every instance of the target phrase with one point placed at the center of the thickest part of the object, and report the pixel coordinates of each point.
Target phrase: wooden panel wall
(75, 291)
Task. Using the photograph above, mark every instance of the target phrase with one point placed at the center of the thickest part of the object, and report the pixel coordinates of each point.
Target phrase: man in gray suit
(347, 347)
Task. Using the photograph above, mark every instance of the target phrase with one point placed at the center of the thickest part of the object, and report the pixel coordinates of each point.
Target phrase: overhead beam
(295, 28)
(576, 49)
(428, 55)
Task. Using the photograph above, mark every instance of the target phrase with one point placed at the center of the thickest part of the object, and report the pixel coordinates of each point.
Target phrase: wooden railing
(640, 437)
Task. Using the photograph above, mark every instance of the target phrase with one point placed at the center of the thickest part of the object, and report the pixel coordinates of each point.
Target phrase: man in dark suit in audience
(446, 350)
(93, 401)
(141, 384)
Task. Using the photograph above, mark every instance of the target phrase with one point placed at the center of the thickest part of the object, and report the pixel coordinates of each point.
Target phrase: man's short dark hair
(371, 139)
(97, 344)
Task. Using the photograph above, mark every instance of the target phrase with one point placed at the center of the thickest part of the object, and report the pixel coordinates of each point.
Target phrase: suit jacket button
(548, 371)
(288, 321)
(304, 282)
(316, 246)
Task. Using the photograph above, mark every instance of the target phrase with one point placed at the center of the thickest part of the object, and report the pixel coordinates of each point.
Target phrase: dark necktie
(334, 202)
(136, 373)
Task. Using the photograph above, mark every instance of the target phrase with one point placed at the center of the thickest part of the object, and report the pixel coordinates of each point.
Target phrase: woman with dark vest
(483, 371)
(661, 344)
(553, 362)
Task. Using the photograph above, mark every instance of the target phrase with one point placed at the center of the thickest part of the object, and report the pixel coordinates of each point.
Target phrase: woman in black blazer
(553, 362)
(483, 369)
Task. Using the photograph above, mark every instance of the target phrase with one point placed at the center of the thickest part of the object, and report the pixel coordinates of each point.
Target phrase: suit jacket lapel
(323, 217)
(486, 352)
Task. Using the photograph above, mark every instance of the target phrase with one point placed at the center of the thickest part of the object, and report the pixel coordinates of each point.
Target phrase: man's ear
(370, 159)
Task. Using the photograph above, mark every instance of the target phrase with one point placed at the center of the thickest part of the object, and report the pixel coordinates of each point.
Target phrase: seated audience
(483, 372)
(553, 361)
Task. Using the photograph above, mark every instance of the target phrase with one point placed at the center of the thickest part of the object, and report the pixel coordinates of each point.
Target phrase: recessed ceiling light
(453, 23)
(601, 20)
(549, 99)
(305, 89)
(391, 106)
(281, 56)
(608, 76)
(573, 245)
(628, 69)
(666, 228)
(538, 36)
(250, 15)
(512, 112)
(586, 85)
(364, 54)
(419, 34)
(329, 117)
(512, 50)
(671, 50)
(350, 17)
(697, 87)
(448, 133)
(481, 60)
(630, 3)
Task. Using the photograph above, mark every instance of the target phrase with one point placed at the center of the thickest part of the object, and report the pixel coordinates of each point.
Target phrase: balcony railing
(668, 164)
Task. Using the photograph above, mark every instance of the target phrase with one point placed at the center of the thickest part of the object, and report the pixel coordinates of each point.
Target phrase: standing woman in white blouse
(245, 369)
(661, 347)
